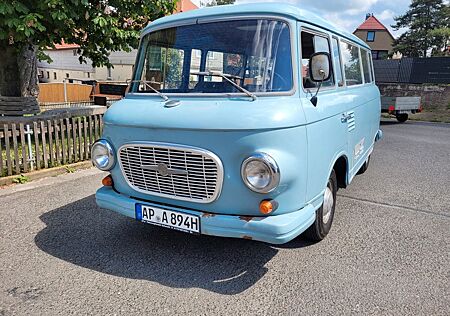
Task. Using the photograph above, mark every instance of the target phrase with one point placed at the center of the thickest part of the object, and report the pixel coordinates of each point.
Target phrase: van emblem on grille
(163, 170)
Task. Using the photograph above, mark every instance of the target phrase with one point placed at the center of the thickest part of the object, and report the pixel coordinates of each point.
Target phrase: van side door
(360, 116)
(327, 134)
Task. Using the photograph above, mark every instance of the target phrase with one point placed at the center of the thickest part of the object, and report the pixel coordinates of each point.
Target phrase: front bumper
(277, 229)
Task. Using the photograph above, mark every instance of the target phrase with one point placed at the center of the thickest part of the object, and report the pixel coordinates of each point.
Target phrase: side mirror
(319, 67)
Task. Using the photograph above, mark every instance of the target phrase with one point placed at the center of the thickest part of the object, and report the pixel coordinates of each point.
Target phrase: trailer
(401, 107)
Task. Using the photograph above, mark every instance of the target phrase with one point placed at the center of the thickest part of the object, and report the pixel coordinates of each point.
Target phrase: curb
(44, 173)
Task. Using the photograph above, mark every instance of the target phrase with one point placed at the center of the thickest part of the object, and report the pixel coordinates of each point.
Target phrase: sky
(349, 14)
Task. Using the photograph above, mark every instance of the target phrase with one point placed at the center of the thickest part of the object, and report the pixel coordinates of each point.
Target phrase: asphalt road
(388, 251)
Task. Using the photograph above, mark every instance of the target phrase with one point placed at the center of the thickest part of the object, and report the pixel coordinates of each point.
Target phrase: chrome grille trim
(201, 184)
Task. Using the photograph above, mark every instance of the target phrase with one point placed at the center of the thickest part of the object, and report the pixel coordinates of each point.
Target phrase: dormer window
(370, 36)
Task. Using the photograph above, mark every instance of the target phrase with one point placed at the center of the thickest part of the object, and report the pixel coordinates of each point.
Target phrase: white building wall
(123, 67)
(65, 65)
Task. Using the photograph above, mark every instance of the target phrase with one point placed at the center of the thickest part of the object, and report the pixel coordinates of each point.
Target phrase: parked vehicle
(400, 107)
(240, 121)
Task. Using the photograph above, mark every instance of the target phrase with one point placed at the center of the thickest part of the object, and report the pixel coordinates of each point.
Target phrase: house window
(67, 75)
(75, 52)
(379, 54)
(48, 74)
(54, 76)
(88, 74)
(109, 73)
(382, 54)
(370, 36)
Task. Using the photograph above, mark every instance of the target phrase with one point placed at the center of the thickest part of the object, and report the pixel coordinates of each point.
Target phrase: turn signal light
(266, 207)
(107, 181)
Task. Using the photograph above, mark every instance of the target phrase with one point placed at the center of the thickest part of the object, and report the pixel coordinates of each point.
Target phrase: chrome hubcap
(328, 202)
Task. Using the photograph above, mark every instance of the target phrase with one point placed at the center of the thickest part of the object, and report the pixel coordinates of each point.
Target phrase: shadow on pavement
(390, 122)
(97, 239)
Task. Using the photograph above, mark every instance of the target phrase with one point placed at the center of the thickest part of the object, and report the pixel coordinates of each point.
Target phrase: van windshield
(255, 54)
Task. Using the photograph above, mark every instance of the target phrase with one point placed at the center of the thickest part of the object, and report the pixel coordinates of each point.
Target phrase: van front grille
(177, 172)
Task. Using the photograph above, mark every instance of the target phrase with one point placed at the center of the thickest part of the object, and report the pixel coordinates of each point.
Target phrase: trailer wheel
(324, 214)
(402, 118)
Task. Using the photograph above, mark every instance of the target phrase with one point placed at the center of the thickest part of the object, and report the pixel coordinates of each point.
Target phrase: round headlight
(103, 155)
(260, 173)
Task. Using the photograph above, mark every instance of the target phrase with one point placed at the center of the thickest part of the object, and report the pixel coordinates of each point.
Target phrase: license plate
(170, 219)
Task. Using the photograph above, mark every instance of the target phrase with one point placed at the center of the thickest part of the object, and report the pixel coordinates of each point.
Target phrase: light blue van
(240, 121)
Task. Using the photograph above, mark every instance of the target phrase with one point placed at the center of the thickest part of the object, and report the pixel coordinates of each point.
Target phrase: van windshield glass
(255, 54)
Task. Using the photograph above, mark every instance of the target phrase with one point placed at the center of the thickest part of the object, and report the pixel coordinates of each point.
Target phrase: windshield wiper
(168, 102)
(227, 78)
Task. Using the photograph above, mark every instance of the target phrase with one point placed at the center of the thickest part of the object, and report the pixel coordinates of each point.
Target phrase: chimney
(368, 15)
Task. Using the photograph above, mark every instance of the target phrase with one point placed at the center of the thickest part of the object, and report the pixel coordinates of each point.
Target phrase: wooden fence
(38, 144)
(56, 92)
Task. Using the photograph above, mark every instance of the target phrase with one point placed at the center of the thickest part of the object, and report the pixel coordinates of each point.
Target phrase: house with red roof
(377, 36)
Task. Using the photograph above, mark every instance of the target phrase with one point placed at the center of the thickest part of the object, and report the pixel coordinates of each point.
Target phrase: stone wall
(433, 96)
(9, 74)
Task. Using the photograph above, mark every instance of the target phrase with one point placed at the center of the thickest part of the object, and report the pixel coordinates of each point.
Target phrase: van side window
(366, 68)
(371, 66)
(337, 62)
(352, 67)
(313, 43)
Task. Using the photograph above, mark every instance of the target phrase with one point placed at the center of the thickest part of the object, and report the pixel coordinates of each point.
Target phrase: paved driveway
(387, 253)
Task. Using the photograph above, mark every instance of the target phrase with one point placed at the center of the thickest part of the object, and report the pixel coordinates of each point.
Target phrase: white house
(65, 65)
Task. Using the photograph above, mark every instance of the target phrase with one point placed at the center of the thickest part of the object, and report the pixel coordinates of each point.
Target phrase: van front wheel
(324, 214)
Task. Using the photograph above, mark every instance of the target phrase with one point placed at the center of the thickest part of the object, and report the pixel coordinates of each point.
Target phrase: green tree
(212, 3)
(427, 22)
(443, 33)
(28, 27)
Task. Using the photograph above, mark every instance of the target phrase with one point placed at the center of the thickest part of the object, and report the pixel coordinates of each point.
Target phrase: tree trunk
(9, 75)
(28, 73)
(18, 80)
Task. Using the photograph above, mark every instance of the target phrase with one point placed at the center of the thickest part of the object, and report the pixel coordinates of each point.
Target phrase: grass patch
(70, 169)
(21, 179)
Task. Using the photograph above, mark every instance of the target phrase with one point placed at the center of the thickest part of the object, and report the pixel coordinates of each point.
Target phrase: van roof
(261, 8)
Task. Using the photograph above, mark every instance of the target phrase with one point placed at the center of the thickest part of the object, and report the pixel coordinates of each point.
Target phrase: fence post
(29, 132)
(65, 90)
(8, 149)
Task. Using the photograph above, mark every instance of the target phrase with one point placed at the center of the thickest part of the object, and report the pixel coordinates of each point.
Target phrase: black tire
(319, 230)
(402, 118)
(364, 167)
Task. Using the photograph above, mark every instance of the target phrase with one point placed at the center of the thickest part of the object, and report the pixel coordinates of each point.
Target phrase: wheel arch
(341, 168)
